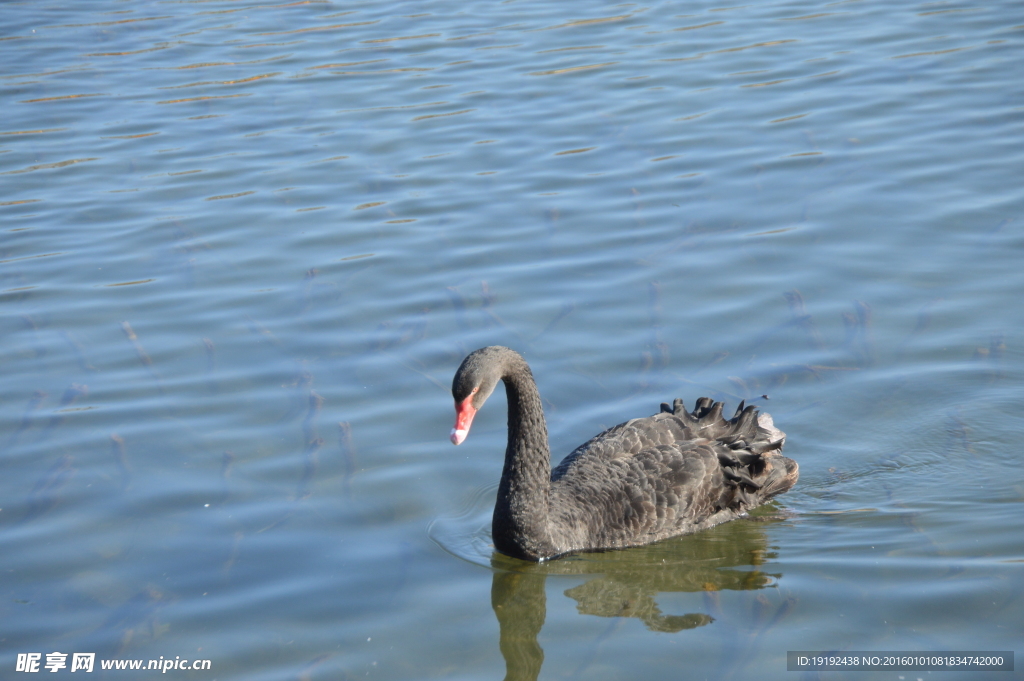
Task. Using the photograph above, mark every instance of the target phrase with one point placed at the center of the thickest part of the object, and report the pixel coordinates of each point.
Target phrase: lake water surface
(244, 247)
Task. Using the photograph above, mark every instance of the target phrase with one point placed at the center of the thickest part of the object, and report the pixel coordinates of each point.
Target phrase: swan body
(644, 480)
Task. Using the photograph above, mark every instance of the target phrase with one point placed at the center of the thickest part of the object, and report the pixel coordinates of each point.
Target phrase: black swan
(642, 481)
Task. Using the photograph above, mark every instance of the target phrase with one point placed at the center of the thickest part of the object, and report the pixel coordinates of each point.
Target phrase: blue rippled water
(245, 246)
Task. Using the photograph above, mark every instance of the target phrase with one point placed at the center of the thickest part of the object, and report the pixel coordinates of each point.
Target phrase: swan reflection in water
(627, 584)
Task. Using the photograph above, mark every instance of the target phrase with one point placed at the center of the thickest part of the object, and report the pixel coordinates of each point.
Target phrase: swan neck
(527, 429)
(521, 516)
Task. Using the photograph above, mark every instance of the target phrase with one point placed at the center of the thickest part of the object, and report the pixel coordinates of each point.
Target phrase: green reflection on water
(627, 583)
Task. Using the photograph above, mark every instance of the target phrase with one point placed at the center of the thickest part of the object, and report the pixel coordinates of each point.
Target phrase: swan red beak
(464, 413)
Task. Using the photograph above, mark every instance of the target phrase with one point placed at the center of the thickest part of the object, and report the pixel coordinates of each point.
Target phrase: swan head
(473, 384)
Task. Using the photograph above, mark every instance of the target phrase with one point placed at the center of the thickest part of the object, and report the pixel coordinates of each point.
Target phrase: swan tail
(749, 450)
